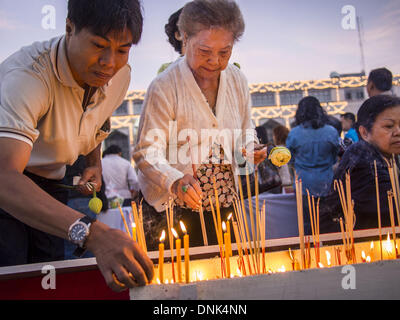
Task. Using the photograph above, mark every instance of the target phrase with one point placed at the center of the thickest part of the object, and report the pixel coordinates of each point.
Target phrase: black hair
(349, 116)
(262, 134)
(113, 149)
(104, 16)
(382, 78)
(336, 123)
(171, 28)
(372, 107)
(310, 113)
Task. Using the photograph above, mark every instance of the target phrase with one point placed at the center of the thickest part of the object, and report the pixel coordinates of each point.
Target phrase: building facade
(273, 103)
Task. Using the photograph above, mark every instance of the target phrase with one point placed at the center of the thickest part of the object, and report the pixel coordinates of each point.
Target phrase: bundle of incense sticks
(314, 219)
(219, 239)
(242, 234)
(138, 219)
(348, 212)
(254, 241)
(300, 219)
(246, 228)
(203, 225)
(394, 180)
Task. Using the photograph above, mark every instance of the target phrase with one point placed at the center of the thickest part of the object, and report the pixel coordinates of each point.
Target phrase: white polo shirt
(41, 104)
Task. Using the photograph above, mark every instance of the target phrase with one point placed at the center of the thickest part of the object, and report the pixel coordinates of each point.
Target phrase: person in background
(174, 37)
(314, 146)
(280, 134)
(380, 81)
(378, 125)
(348, 122)
(119, 175)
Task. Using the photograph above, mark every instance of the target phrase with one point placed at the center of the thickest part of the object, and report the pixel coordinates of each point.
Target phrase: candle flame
(183, 228)
(229, 217)
(388, 244)
(372, 245)
(133, 225)
(174, 233)
(282, 269)
(328, 258)
(162, 238)
(223, 226)
(291, 255)
(198, 275)
(158, 281)
(368, 259)
(320, 265)
(238, 272)
(363, 255)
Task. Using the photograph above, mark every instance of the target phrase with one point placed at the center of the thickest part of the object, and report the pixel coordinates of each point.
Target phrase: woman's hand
(188, 190)
(259, 154)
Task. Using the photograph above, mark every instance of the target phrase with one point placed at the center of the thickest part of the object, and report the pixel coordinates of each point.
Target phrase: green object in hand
(95, 204)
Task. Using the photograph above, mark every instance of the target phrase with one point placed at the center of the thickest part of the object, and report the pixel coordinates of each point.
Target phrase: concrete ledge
(378, 280)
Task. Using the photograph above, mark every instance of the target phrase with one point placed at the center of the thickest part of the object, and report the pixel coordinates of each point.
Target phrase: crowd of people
(195, 133)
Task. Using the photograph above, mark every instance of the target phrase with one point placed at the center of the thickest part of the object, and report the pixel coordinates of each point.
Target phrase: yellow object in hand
(95, 204)
(280, 156)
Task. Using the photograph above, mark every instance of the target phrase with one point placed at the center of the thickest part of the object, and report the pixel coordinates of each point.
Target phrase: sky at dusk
(283, 40)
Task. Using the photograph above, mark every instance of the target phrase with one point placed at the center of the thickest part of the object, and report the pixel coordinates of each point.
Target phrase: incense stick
(123, 219)
(378, 205)
(300, 222)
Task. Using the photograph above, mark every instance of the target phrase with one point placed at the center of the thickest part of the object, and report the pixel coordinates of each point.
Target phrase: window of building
(260, 99)
(353, 94)
(122, 110)
(137, 106)
(291, 97)
(323, 95)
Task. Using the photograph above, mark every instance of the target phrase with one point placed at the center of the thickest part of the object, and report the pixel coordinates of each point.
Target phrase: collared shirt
(119, 176)
(41, 104)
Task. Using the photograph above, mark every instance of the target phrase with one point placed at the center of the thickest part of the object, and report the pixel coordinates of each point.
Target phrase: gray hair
(201, 15)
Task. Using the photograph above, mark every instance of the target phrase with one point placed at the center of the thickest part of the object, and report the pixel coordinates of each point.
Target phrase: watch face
(78, 233)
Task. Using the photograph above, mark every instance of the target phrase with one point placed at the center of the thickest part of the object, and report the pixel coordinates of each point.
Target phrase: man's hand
(92, 175)
(118, 256)
(193, 195)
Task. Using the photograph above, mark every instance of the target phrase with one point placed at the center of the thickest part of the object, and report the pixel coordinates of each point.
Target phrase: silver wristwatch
(78, 233)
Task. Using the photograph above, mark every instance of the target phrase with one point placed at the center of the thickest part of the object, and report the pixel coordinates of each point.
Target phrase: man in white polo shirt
(56, 98)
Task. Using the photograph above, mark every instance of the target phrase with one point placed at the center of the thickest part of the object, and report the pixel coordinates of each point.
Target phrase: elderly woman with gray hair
(195, 123)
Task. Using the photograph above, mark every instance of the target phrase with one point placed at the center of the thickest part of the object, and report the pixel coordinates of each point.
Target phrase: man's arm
(24, 200)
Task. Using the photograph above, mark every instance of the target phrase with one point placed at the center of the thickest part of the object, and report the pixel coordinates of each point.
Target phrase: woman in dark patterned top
(379, 129)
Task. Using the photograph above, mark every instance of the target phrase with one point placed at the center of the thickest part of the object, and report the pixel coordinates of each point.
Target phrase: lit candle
(328, 258)
(228, 228)
(186, 248)
(133, 231)
(226, 242)
(161, 257)
(363, 256)
(178, 254)
(388, 249)
(371, 252)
